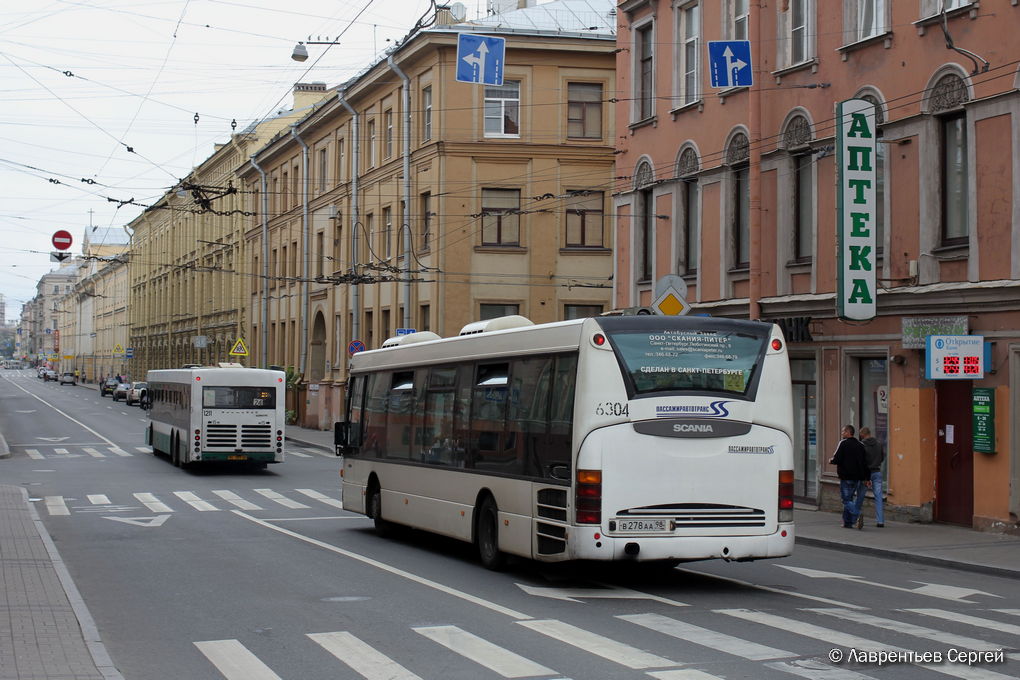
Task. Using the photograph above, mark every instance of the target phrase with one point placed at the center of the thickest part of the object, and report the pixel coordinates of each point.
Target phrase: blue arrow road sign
(480, 59)
(730, 63)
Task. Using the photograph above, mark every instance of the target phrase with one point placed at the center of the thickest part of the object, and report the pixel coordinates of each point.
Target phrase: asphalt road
(255, 575)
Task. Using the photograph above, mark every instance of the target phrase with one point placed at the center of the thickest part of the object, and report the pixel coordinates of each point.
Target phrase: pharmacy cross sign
(856, 209)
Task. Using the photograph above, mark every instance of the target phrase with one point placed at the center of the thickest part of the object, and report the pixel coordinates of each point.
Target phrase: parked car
(67, 378)
(108, 386)
(49, 374)
(136, 392)
(120, 391)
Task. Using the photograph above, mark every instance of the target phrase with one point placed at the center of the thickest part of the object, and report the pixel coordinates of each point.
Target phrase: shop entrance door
(954, 483)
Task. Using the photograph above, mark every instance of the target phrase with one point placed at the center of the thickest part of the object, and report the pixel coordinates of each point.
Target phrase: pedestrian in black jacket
(854, 477)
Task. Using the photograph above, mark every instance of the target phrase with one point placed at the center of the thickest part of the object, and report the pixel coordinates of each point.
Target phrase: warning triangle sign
(118, 349)
(239, 349)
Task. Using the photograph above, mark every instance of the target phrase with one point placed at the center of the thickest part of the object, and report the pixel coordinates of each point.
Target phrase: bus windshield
(699, 360)
(238, 397)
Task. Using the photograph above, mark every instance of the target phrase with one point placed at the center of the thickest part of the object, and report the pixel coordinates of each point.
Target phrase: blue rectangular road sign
(480, 59)
(129, 353)
(730, 63)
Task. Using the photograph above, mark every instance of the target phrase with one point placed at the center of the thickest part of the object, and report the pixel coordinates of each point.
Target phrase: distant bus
(642, 438)
(213, 413)
(13, 363)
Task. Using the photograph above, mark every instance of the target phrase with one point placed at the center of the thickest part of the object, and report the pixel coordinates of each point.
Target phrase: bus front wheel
(487, 536)
(382, 527)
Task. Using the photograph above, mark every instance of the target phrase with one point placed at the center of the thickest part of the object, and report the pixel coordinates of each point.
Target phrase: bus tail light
(588, 499)
(786, 495)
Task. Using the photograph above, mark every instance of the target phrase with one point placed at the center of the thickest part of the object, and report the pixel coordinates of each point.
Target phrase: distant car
(108, 386)
(120, 391)
(67, 378)
(49, 374)
(136, 392)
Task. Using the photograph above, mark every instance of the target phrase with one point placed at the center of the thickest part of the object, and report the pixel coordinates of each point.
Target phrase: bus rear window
(238, 397)
(689, 360)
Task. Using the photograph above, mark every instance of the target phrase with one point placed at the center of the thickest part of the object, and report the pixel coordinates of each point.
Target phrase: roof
(107, 236)
(592, 17)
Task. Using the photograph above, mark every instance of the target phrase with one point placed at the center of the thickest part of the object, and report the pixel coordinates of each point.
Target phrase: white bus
(217, 413)
(643, 438)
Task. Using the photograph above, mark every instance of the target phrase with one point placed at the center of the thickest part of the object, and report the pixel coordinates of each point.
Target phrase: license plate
(237, 457)
(643, 525)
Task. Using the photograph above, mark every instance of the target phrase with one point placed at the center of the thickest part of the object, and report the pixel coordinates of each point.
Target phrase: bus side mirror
(341, 431)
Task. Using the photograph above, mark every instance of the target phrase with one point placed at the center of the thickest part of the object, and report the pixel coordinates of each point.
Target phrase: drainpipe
(264, 321)
(307, 243)
(406, 227)
(754, 176)
(355, 166)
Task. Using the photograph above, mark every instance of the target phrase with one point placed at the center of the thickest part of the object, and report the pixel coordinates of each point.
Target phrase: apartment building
(735, 190)
(414, 201)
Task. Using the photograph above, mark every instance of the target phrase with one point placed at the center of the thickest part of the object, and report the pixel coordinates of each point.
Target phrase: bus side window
(438, 442)
(374, 421)
(399, 415)
(355, 406)
(488, 419)
(527, 418)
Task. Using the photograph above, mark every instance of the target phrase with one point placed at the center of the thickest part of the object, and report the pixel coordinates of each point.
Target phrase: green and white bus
(217, 413)
(643, 438)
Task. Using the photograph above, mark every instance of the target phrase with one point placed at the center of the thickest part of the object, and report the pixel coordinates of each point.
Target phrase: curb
(314, 445)
(5, 451)
(910, 557)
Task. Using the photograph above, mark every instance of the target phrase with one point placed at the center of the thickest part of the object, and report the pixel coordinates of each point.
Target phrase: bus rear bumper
(641, 548)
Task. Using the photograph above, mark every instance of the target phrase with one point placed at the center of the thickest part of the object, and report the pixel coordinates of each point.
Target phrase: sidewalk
(47, 632)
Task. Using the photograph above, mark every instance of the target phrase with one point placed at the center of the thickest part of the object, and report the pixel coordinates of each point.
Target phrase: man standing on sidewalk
(852, 469)
(874, 454)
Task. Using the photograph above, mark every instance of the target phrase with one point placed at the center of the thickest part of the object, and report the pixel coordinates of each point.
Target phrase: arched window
(797, 141)
(644, 220)
(737, 155)
(880, 173)
(946, 101)
(687, 167)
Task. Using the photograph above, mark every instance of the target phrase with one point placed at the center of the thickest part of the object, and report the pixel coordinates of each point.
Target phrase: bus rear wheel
(487, 536)
(382, 527)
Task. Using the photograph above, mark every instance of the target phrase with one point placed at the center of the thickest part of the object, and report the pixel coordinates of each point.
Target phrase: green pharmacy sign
(983, 419)
(856, 209)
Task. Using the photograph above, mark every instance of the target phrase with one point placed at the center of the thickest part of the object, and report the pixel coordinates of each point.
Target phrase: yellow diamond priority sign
(671, 303)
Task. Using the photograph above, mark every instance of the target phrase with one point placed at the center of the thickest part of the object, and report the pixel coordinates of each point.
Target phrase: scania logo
(687, 427)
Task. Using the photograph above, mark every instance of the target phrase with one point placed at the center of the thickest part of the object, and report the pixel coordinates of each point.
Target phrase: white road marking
(119, 451)
(282, 500)
(152, 503)
(495, 658)
(910, 629)
(748, 584)
(232, 497)
(98, 499)
(684, 674)
(143, 449)
(55, 505)
(61, 451)
(972, 620)
(322, 498)
(816, 670)
(34, 454)
(292, 452)
(195, 502)
(707, 638)
(592, 643)
(362, 658)
(234, 661)
(382, 566)
(92, 452)
(837, 638)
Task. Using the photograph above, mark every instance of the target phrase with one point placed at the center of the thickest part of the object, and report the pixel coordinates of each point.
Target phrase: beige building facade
(412, 201)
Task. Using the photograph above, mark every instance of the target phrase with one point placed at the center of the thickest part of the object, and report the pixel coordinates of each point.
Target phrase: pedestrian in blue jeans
(854, 477)
(874, 455)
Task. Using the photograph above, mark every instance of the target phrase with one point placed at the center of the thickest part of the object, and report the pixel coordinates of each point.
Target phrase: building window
(644, 220)
(323, 168)
(795, 24)
(386, 246)
(503, 109)
(366, 242)
(688, 62)
(585, 223)
(803, 207)
(285, 197)
(880, 174)
(687, 167)
(426, 221)
(738, 19)
(863, 19)
(388, 122)
(370, 156)
(320, 253)
(494, 311)
(954, 179)
(341, 161)
(584, 110)
(580, 311)
(737, 156)
(426, 114)
(501, 217)
(933, 7)
(424, 319)
(645, 73)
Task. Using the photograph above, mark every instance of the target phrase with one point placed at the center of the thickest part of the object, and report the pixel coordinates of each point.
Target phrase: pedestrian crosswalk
(214, 500)
(668, 648)
(68, 452)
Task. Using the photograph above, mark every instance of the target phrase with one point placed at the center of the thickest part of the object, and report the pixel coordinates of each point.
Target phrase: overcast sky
(84, 80)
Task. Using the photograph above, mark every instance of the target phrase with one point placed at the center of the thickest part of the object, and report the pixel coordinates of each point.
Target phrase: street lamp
(300, 52)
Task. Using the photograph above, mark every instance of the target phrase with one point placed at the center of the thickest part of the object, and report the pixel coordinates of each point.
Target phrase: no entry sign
(62, 240)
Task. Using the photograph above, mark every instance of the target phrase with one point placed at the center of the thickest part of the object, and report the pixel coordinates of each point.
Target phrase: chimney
(443, 16)
(307, 94)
